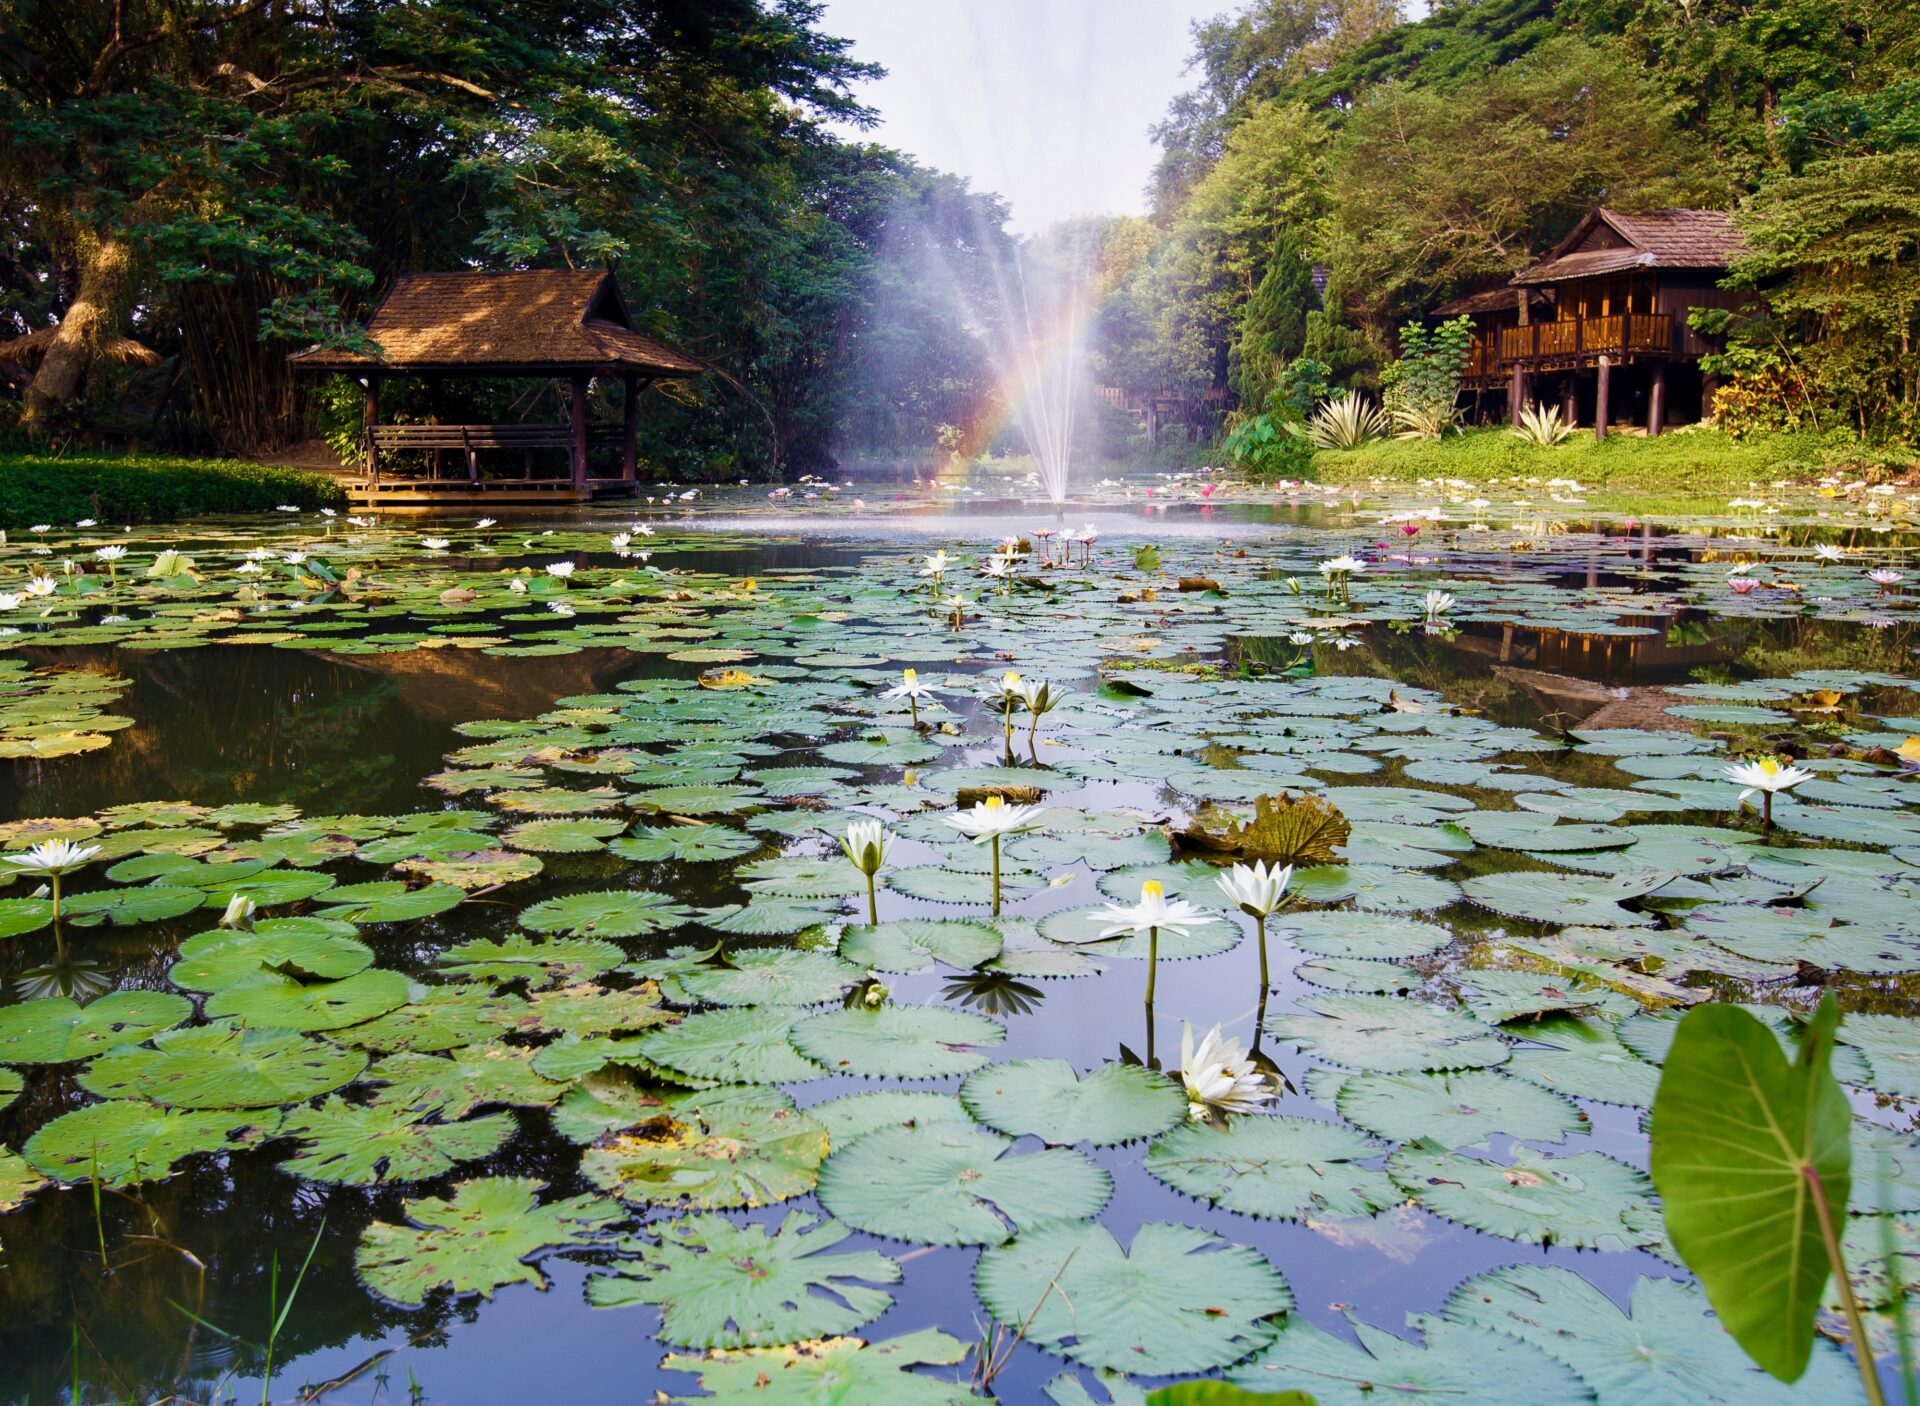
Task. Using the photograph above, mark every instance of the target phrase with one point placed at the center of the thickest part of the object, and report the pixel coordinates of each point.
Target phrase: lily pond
(460, 991)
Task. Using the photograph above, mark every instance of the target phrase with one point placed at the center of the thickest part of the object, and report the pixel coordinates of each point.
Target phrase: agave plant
(1424, 421)
(1542, 426)
(1346, 422)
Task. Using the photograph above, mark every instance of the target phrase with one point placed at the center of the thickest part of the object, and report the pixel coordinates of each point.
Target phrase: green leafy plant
(1542, 426)
(1346, 422)
(1224, 1394)
(1752, 1158)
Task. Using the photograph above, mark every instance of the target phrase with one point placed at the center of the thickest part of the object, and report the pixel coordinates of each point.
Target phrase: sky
(1047, 102)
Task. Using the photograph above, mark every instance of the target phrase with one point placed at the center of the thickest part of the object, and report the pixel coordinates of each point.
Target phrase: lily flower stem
(914, 704)
(1766, 817)
(996, 875)
(55, 879)
(1033, 739)
(1153, 962)
(1260, 928)
(873, 906)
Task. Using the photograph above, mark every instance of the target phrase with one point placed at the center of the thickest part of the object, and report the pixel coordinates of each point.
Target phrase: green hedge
(127, 488)
(1694, 461)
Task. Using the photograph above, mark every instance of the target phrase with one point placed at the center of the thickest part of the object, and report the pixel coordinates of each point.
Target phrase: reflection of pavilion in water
(1664, 655)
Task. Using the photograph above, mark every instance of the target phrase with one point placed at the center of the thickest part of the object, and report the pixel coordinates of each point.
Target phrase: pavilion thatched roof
(536, 322)
(1609, 241)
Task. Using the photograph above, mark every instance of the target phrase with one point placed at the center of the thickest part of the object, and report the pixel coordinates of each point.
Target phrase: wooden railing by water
(1583, 339)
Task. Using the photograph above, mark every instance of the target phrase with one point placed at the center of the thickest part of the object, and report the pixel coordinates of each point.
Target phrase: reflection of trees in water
(232, 1216)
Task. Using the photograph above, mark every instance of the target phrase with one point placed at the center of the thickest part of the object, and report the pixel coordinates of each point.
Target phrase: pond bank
(130, 488)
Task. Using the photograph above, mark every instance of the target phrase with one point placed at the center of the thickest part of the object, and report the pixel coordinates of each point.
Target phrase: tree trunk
(242, 380)
(106, 273)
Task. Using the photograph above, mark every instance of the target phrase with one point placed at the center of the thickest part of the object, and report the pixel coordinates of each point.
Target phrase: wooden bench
(469, 440)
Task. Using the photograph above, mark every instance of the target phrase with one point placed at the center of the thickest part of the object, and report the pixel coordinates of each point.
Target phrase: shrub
(130, 488)
(1542, 426)
(1346, 422)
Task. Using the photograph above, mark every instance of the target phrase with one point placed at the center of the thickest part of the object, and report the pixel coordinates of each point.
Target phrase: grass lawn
(128, 488)
(1692, 462)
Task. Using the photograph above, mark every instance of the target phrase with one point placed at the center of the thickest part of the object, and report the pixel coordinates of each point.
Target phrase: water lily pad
(303, 948)
(1275, 1167)
(575, 836)
(843, 1371)
(917, 944)
(855, 1115)
(694, 844)
(23, 915)
(389, 901)
(56, 1030)
(1456, 1362)
(552, 962)
(1460, 1109)
(1371, 935)
(453, 1086)
(746, 1045)
(898, 1042)
(1588, 1200)
(437, 1018)
(766, 976)
(363, 1144)
(1664, 1349)
(947, 1184)
(224, 1066)
(718, 1284)
(288, 1003)
(712, 1150)
(1389, 1036)
(1564, 898)
(1179, 1300)
(773, 917)
(608, 913)
(147, 903)
(1043, 1098)
(128, 1141)
(474, 1241)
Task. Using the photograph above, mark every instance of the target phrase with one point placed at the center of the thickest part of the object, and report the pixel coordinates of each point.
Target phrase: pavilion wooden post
(579, 427)
(372, 418)
(1657, 400)
(630, 428)
(1517, 393)
(1570, 400)
(1600, 396)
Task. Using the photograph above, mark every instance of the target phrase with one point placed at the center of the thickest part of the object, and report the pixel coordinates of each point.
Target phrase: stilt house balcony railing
(1582, 341)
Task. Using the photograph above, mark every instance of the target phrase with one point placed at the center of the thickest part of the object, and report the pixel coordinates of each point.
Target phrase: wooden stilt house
(564, 325)
(1618, 347)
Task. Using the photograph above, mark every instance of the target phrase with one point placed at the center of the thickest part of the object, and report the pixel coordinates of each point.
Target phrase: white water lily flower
(434, 544)
(239, 914)
(1344, 565)
(1219, 1078)
(108, 553)
(937, 565)
(86, 522)
(1766, 776)
(1256, 889)
(1886, 576)
(328, 512)
(993, 818)
(1155, 912)
(867, 843)
(1438, 603)
(294, 558)
(1299, 639)
(909, 686)
(41, 527)
(484, 523)
(41, 585)
(52, 857)
(1826, 551)
(517, 586)
(560, 607)
(10, 601)
(560, 569)
(361, 521)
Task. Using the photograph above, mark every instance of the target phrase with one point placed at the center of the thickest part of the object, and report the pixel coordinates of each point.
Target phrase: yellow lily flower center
(994, 802)
(1010, 680)
(910, 676)
(1151, 890)
(1770, 765)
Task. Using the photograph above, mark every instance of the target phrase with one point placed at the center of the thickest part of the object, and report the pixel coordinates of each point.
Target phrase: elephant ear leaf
(1750, 1154)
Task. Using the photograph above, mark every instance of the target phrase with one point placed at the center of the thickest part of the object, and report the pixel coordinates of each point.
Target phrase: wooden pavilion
(543, 324)
(1601, 323)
